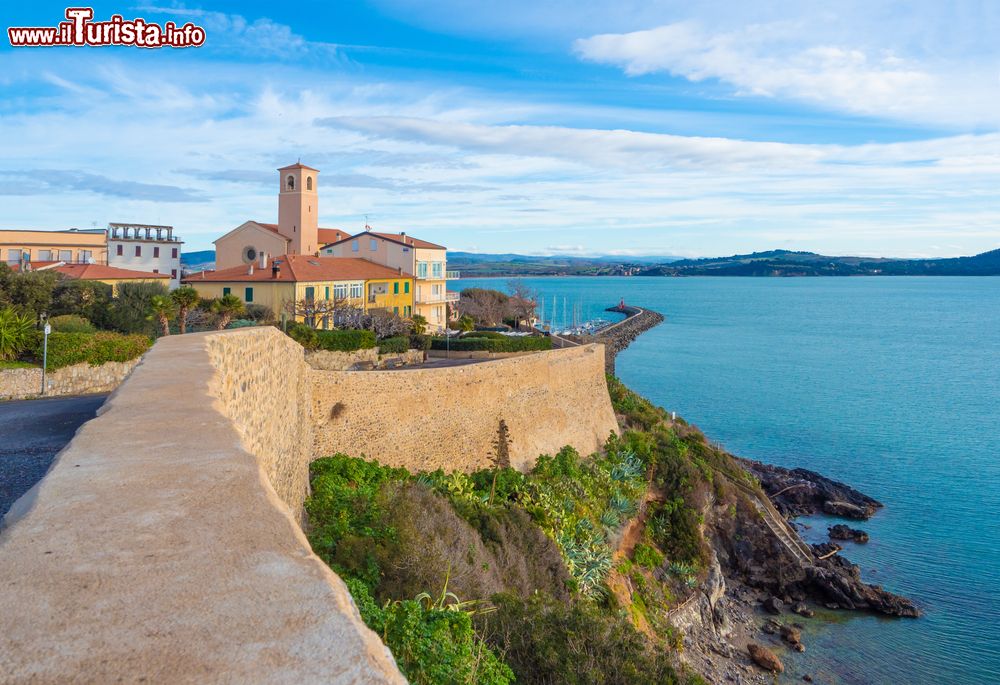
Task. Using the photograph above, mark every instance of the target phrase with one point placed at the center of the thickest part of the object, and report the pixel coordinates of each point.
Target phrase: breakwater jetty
(620, 334)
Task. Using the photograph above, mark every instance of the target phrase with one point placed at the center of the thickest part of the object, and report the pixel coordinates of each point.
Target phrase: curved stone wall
(425, 419)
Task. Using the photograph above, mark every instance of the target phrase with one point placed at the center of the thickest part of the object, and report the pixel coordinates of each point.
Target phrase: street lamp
(46, 329)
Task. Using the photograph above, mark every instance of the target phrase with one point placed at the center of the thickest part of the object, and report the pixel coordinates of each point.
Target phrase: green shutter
(406, 287)
(310, 293)
(395, 287)
(248, 296)
(226, 291)
(327, 292)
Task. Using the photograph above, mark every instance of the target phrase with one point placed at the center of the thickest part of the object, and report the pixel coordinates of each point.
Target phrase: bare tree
(521, 303)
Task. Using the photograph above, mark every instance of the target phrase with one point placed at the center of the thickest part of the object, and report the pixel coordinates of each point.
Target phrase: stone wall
(79, 379)
(447, 418)
(329, 360)
(160, 546)
(262, 383)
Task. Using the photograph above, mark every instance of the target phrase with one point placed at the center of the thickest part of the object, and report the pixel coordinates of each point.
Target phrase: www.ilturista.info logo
(79, 30)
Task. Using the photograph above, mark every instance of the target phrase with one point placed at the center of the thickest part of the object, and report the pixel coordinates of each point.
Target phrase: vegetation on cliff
(579, 561)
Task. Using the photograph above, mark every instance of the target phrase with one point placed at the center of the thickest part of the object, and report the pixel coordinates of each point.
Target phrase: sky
(655, 127)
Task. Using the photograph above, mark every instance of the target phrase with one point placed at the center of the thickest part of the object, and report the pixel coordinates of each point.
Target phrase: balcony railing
(439, 298)
(452, 275)
(451, 296)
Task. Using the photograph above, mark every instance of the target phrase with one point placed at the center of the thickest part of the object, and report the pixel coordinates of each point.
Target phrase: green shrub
(241, 323)
(420, 342)
(71, 323)
(304, 335)
(504, 343)
(579, 643)
(66, 349)
(492, 335)
(17, 332)
(346, 340)
(647, 556)
(394, 345)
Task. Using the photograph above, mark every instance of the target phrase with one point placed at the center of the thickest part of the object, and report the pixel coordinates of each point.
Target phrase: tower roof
(298, 165)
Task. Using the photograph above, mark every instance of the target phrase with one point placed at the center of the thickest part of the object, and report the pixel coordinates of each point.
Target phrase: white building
(141, 247)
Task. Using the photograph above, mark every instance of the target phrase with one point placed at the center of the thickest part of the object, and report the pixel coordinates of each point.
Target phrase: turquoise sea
(891, 385)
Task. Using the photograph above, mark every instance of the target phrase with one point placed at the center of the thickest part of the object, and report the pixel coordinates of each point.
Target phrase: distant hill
(510, 264)
(198, 261)
(791, 263)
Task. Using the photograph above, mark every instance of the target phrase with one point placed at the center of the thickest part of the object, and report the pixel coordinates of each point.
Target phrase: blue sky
(668, 127)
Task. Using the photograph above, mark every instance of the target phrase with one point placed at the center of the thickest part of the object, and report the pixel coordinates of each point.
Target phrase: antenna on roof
(367, 227)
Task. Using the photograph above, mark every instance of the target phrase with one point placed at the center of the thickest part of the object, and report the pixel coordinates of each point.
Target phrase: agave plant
(588, 562)
(629, 468)
(449, 601)
(621, 503)
(610, 519)
(15, 332)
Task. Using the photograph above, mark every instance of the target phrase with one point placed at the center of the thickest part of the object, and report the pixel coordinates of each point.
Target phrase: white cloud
(783, 60)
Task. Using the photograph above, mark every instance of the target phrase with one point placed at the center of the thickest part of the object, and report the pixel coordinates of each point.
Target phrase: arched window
(309, 182)
(290, 182)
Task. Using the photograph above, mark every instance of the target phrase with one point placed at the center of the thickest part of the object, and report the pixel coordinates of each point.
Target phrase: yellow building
(297, 278)
(73, 246)
(427, 262)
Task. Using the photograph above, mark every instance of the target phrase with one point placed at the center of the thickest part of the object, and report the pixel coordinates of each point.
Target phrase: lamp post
(47, 328)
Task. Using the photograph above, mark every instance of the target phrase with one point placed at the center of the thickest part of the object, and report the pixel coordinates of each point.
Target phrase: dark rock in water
(773, 605)
(845, 509)
(765, 658)
(843, 587)
(825, 548)
(792, 636)
(802, 610)
(800, 492)
(808, 678)
(842, 532)
(771, 627)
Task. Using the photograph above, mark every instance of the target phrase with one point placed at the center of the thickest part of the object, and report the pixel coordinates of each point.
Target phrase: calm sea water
(889, 384)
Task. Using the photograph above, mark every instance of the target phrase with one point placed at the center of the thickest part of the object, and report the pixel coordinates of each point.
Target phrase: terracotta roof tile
(299, 269)
(97, 272)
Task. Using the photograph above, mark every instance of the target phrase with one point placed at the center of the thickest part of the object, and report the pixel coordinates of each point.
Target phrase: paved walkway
(31, 433)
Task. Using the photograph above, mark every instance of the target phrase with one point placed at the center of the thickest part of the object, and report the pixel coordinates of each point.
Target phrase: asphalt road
(31, 433)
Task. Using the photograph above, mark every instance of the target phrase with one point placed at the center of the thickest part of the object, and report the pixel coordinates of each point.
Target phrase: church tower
(298, 208)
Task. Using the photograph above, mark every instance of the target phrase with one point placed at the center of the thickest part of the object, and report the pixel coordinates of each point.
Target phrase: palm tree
(227, 307)
(419, 324)
(185, 299)
(466, 323)
(163, 309)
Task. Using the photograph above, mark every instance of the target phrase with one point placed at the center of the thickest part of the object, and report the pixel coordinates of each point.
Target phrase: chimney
(276, 269)
(250, 269)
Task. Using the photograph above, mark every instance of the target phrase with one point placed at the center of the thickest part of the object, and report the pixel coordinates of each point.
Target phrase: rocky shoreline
(757, 598)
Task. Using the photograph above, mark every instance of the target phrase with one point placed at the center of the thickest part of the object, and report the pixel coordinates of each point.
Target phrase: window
(119, 250)
(421, 269)
(138, 250)
(407, 311)
(173, 253)
(14, 255)
(226, 291)
(310, 294)
(374, 245)
(437, 270)
(395, 310)
(290, 182)
(354, 246)
(356, 289)
(173, 273)
(436, 289)
(45, 255)
(309, 182)
(406, 287)
(65, 255)
(340, 291)
(86, 256)
(395, 287)
(327, 292)
(248, 295)
(156, 253)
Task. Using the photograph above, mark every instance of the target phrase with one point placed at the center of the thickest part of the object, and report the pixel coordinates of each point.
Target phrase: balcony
(439, 298)
(452, 275)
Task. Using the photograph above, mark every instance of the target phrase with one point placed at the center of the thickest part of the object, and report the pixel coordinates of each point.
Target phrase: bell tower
(298, 208)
